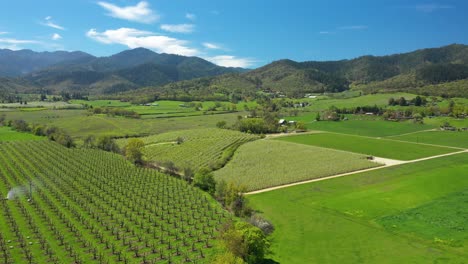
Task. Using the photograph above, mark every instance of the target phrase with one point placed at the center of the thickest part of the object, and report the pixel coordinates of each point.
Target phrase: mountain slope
(16, 63)
(410, 72)
(126, 70)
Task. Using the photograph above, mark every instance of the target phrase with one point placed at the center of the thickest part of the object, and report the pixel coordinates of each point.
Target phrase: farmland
(267, 163)
(372, 127)
(196, 148)
(88, 206)
(79, 124)
(446, 138)
(339, 220)
(371, 146)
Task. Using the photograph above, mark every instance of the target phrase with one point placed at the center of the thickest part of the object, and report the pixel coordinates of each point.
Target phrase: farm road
(387, 162)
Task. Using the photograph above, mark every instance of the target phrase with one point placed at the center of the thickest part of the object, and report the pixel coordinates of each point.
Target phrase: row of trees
(115, 111)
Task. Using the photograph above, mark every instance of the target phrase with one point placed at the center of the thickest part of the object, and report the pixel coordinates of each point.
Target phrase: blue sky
(244, 33)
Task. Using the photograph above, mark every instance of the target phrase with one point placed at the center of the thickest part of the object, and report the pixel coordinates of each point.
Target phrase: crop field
(266, 163)
(446, 138)
(79, 124)
(365, 127)
(199, 147)
(89, 206)
(392, 215)
(7, 134)
(370, 146)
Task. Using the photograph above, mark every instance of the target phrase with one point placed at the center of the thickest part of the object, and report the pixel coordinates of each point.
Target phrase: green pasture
(266, 163)
(457, 139)
(365, 100)
(364, 126)
(79, 123)
(379, 147)
(340, 220)
(7, 134)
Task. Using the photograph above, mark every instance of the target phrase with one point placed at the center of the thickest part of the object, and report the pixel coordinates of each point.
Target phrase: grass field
(79, 124)
(90, 206)
(442, 220)
(210, 147)
(266, 163)
(369, 146)
(446, 138)
(366, 100)
(7, 134)
(337, 221)
(365, 127)
(45, 104)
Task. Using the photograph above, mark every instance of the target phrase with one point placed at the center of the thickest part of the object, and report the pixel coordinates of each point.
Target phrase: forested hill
(83, 73)
(437, 71)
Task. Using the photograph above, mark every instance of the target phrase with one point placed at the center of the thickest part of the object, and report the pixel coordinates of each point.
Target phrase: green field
(79, 123)
(210, 147)
(7, 134)
(370, 146)
(90, 206)
(446, 138)
(320, 104)
(337, 221)
(364, 127)
(442, 220)
(266, 163)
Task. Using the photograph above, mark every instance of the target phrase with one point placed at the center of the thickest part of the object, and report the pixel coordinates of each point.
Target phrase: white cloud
(3, 32)
(356, 27)
(56, 36)
(231, 61)
(180, 28)
(326, 33)
(49, 23)
(15, 44)
(138, 13)
(213, 46)
(429, 8)
(190, 16)
(134, 38)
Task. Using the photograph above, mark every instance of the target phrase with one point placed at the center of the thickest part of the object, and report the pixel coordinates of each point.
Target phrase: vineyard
(89, 206)
(194, 148)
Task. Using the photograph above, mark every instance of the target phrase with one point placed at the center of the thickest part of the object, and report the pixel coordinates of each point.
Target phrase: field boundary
(354, 172)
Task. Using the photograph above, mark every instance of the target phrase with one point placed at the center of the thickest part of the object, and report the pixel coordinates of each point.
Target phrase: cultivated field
(89, 206)
(266, 163)
(402, 214)
(370, 146)
(197, 148)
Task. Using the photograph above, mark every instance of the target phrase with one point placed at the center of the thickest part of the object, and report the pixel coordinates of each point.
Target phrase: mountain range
(54, 72)
(436, 71)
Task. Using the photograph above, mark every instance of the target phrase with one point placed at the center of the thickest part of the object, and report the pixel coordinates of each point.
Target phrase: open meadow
(79, 123)
(379, 147)
(7, 134)
(411, 213)
(266, 163)
(367, 126)
(446, 138)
